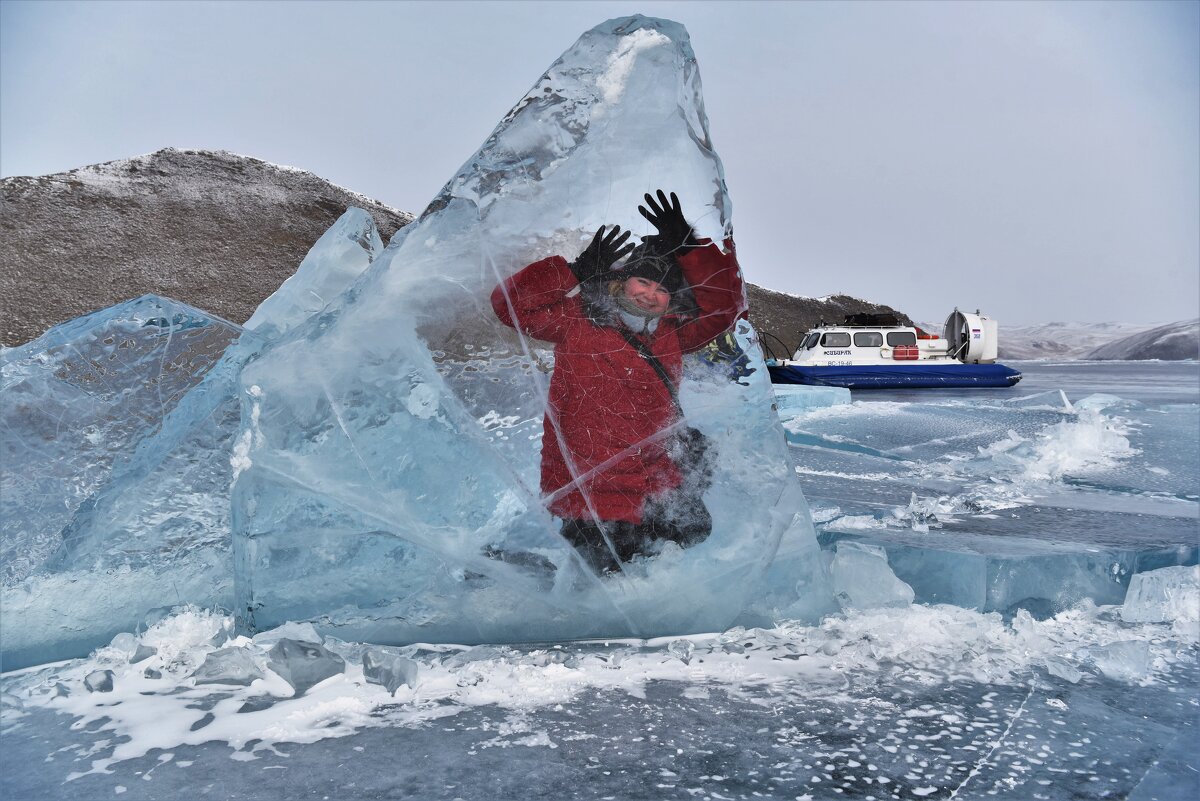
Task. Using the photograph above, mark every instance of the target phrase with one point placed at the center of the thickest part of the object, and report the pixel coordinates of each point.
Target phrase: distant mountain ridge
(1062, 340)
(1172, 342)
(221, 232)
(213, 229)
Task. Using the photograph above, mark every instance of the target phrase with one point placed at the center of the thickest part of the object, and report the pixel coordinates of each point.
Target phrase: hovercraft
(876, 351)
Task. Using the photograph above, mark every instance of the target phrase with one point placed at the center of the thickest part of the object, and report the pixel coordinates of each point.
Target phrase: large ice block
(1003, 574)
(1162, 596)
(78, 400)
(862, 579)
(146, 396)
(388, 485)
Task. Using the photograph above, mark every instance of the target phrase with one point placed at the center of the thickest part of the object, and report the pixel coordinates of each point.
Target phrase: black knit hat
(645, 262)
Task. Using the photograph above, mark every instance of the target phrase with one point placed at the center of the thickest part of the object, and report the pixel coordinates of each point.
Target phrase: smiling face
(647, 295)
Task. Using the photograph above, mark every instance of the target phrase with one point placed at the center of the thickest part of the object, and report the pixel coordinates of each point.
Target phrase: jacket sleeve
(716, 282)
(535, 302)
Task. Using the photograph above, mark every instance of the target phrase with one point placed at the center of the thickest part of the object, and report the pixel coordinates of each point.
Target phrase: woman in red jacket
(613, 436)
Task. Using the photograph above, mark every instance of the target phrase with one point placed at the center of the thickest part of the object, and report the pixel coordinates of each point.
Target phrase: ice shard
(78, 400)
(335, 262)
(117, 432)
(388, 480)
(79, 404)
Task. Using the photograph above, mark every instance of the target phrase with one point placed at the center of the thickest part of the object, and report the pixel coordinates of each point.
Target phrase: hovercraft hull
(888, 376)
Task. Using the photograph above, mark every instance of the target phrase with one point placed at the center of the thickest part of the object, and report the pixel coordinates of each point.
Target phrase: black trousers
(675, 518)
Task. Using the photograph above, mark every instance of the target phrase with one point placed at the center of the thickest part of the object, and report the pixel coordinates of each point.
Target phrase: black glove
(604, 251)
(674, 235)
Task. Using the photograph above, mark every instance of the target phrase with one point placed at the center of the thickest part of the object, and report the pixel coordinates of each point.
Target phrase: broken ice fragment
(142, 652)
(99, 681)
(1063, 670)
(124, 642)
(476, 653)
(1163, 595)
(340, 256)
(862, 578)
(681, 650)
(151, 673)
(304, 664)
(133, 650)
(1129, 660)
(301, 632)
(390, 670)
(231, 665)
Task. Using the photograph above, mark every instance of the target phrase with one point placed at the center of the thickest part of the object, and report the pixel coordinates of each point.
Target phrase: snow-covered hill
(213, 229)
(1168, 342)
(1061, 340)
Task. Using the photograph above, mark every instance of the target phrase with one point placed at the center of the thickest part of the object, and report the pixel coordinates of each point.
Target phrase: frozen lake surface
(1018, 518)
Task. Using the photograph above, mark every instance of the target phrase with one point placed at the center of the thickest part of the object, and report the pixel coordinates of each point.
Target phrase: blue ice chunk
(389, 669)
(303, 632)
(862, 578)
(335, 262)
(392, 444)
(233, 665)
(82, 403)
(1163, 596)
(133, 650)
(1063, 670)
(142, 653)
(99, 681)
(1128, 660)
(794, 399)
(77, 401)
(304, 664)
(138, 461)
(1004, 574)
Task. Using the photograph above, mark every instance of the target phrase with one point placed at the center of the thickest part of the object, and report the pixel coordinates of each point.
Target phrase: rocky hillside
(782, 320)
(213, 229)
(1167, 342)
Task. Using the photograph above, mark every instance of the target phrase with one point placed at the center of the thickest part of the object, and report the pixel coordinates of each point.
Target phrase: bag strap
(641, 348)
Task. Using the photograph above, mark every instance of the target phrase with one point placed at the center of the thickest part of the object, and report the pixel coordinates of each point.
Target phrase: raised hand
(675, 234)
(604, 251)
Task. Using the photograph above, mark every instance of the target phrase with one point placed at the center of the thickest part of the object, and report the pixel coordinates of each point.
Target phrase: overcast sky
(1038, 160)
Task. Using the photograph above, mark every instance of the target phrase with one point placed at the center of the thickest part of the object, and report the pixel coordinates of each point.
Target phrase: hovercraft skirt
(897, 377)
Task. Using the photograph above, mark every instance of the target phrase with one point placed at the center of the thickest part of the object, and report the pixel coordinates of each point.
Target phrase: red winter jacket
(602, 459)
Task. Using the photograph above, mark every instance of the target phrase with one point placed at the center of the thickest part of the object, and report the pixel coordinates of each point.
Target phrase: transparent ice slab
(144, 521)
(390, 485)
(78, 400)
(1035, 501)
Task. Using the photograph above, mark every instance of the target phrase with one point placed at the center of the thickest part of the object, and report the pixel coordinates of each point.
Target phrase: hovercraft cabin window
(835, 339)
(895, 338)
(812, 340)
(868, 339)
